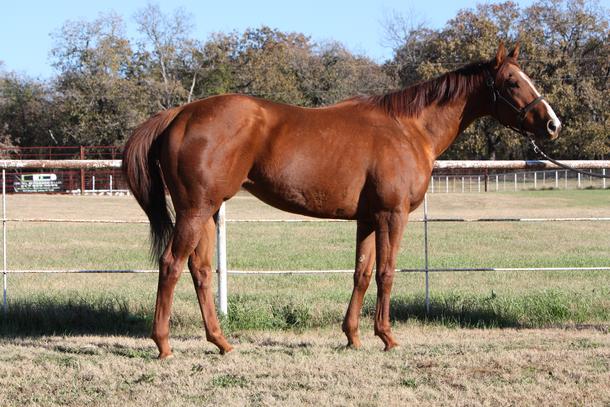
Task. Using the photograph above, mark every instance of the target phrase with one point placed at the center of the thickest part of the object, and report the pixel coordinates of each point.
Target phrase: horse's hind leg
(390, 226)
(200, 265)
(365, 259)
(184, 240)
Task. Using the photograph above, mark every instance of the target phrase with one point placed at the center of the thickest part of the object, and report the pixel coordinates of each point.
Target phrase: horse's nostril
(552, 127)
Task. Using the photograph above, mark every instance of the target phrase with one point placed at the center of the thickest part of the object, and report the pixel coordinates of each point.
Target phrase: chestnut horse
(367, 159)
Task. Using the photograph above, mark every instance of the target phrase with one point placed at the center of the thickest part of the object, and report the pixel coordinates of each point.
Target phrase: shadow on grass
(38, 317)
(463, 313)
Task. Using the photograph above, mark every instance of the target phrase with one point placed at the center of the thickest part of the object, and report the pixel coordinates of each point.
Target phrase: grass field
(491, 338)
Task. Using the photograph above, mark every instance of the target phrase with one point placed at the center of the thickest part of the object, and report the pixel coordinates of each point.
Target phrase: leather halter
(522, 112)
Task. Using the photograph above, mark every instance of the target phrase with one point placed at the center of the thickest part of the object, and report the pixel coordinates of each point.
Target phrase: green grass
(122, 304)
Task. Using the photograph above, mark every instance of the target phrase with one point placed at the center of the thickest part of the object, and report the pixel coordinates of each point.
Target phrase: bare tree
(166, 46)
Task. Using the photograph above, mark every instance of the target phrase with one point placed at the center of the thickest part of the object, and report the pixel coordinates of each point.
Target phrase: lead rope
(537, 150)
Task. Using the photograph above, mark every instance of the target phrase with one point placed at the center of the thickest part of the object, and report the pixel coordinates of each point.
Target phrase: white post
(497, 184)
(515, 182)
(479, 182)
(447, 184)
(4, 254)
(543, 178)
(535, 180)
(432, 184)
(426, 252)
(556, 179)
(110, 184)
(221, 260)
(93, 183)
(579, 180)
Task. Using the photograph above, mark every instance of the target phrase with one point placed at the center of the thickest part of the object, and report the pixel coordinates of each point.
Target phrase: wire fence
(538, 167)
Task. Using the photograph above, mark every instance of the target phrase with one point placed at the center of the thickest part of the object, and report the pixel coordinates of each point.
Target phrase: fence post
(426, 252)
(221, 260)
(110, 182)
(535, 180)
(604, 179)
(4, 254)
(556, 179)
(82, 171)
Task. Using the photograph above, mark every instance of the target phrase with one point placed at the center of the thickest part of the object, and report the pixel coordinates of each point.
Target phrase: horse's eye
(512, 84)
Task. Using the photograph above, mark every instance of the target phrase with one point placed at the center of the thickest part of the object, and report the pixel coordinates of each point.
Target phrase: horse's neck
(442, 124)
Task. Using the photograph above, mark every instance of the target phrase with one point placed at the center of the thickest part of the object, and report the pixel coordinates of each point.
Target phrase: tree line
(106, 83)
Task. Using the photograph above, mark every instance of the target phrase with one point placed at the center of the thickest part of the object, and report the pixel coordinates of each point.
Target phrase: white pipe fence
(221, 253)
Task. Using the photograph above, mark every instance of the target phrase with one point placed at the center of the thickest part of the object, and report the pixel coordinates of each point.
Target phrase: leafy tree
(99, 103)
(333, 74)
(27, 113)
(564, 48)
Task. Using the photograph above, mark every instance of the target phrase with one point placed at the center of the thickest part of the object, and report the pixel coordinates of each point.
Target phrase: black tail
(141, 169)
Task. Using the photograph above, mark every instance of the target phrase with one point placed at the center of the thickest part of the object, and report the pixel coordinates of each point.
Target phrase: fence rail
(438, 165)
(221, 221)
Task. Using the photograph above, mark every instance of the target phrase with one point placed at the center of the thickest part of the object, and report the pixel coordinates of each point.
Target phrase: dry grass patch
(435, 366)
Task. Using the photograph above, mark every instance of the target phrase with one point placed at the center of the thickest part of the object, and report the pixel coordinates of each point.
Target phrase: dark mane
(444, 89)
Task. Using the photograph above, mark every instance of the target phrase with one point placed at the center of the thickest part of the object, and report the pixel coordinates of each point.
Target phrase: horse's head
(516, 102)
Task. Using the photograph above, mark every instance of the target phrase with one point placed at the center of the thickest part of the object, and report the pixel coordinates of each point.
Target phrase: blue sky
(25, 25)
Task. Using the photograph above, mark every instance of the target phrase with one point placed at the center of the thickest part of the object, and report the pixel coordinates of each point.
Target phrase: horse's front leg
(365, 259)
(388, 234)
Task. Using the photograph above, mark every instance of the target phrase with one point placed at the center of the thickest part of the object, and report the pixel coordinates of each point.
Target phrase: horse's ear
(514, 54)
(500, 54)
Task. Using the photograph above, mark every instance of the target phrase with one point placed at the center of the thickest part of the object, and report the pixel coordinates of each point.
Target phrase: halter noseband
(522, 112)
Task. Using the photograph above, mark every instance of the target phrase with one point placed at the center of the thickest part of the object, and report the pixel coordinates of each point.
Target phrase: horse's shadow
(31, 319)
(473, 315)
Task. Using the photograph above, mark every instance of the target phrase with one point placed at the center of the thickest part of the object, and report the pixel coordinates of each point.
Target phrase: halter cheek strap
(521, 112)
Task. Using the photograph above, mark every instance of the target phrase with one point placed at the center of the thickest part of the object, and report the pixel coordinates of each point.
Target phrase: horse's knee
(384, 277)
(169, 269)
(202, 276)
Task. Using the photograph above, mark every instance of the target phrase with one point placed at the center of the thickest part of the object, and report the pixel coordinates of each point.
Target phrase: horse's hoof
(390, 347)
(355, 345)
(226, 349)
(165, 356)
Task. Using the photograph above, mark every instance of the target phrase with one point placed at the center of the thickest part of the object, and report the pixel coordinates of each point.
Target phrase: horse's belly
(320, 201)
